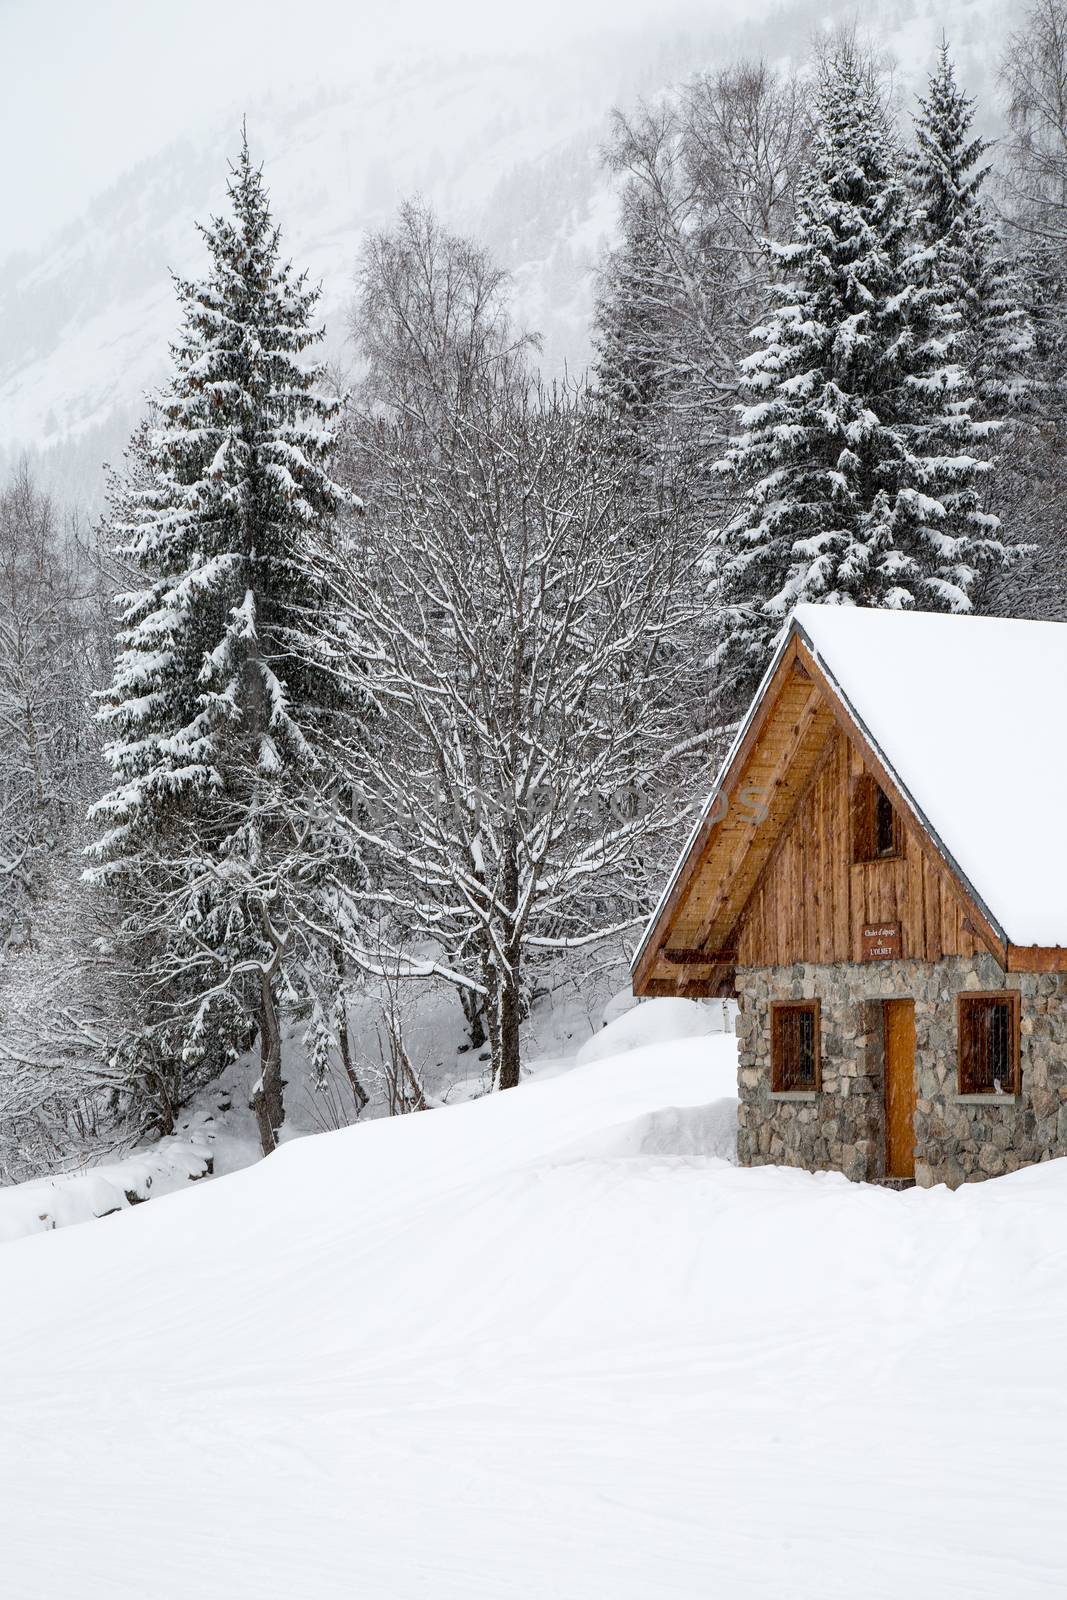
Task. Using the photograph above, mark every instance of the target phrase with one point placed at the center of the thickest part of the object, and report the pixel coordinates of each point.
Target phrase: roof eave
(792, 631)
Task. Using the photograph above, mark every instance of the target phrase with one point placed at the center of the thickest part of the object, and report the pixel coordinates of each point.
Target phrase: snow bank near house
(542, 1343)
(98, 1191)
(219, 1136)
(691, 1133)
(654, 1022)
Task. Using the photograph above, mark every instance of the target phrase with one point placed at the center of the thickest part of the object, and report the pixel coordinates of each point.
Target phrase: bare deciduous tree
(46, 747)
(514, 615)
(55, 1078)
(710, 178)
(431, 317)
(1034, 80)
(514, 634)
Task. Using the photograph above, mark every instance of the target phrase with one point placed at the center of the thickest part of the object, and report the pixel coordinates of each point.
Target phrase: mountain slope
(506, 147)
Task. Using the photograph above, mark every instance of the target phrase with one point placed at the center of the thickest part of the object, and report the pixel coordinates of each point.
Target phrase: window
(884, 830)
(795, 1046)
(989, 1043)
(875, 830)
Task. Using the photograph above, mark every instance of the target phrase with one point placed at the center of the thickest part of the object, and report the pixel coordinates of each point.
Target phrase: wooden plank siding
(801, 900)
(812, 901)
(787, 890)
(867, 758)
(774, 777)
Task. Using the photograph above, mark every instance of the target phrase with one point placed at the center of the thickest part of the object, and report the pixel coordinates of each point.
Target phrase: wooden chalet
(880, 876)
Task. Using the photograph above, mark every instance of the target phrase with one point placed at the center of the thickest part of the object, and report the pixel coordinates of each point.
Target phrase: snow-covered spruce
(220, 833)
(976, 277)
(634, 333)
(860, 457)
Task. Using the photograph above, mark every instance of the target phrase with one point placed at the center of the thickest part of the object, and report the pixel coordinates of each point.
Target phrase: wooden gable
(770, 878)
(813, 901)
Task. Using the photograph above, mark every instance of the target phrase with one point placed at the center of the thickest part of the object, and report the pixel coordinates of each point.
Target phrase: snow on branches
(861, 455)
(221, 832)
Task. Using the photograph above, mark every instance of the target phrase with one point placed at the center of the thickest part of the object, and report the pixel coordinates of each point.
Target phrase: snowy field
(547, 1344)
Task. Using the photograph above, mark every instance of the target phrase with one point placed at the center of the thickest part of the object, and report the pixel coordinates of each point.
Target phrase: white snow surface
(657, 1021)
(545, 1343)
(968, 713)
(97, 1191)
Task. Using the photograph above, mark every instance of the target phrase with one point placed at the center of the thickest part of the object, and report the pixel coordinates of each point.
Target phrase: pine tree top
(852, 210)
(945, 168)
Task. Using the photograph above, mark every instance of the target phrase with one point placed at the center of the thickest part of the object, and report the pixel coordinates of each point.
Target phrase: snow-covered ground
(544, 1344)
(99, 1191)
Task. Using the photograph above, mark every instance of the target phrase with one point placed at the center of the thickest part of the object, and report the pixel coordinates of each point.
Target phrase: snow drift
(544, 1343)
(96, 1192)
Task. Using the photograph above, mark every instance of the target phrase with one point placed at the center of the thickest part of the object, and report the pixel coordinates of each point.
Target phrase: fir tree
(221, 830)
(858, 459)
(632, 343)
(947, 177)
(644, 383)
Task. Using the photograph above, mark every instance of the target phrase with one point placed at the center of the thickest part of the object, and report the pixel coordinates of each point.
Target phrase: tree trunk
(474, 1016)
(508, 1004)
(508, 1065)
(359, 1094)
(510, 996)
(267, 1100)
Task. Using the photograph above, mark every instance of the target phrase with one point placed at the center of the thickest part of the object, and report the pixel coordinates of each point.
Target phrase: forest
(420, 679)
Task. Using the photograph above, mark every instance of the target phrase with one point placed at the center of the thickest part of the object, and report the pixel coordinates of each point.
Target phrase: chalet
(880, 875)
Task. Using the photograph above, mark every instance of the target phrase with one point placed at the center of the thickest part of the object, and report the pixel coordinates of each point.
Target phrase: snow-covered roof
(968, 714)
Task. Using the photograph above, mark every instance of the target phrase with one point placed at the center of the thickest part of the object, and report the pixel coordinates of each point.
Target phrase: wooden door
(899, 1035)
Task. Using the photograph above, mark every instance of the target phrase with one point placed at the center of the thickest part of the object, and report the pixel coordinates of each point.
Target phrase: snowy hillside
(546, 1343)
(506, 147)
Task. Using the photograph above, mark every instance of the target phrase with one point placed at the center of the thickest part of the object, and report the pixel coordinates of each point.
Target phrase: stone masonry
(841, 1126)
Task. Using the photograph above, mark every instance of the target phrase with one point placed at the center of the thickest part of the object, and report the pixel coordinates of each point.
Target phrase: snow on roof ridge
(902, 614)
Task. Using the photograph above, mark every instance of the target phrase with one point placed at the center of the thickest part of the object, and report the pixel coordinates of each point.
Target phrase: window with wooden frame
(795, 1046)
(988, 1031)
(876, 831)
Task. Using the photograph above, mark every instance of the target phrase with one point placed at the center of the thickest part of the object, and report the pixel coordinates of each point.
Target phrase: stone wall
(842, 1126)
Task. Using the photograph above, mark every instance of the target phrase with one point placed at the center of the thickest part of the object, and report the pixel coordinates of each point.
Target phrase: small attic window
(876, 833)
(884, 824)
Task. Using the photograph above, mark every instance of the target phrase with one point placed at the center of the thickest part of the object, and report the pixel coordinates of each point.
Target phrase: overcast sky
(93, 86)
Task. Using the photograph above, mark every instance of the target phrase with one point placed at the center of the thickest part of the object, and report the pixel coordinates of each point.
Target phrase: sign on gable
(881, 941)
